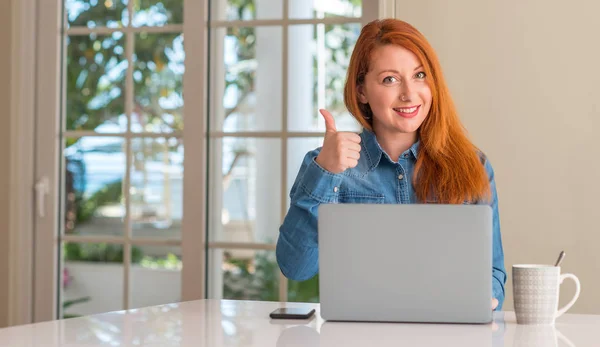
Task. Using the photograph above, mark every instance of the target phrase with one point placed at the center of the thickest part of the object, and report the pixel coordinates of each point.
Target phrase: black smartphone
(292, 313)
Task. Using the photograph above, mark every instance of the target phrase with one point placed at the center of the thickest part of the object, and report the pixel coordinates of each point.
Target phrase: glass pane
(155, 277)
(95, 78)
(246, 9)
(156, 192)
(92, 278)
(157, 12)
(318, 61)
(245, 190)
(297, 149)
(245, 75)
(94, 172)
(97, 13)
(305, 291)
(158, 79)
(325, 8)
(242, 274)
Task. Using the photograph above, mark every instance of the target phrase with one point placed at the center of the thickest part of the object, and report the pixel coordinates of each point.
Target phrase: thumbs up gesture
(341, 150)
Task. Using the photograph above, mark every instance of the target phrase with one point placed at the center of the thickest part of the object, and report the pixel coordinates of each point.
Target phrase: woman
(413, 148)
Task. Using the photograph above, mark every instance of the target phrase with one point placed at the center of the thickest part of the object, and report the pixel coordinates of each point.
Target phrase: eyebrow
(396, 71)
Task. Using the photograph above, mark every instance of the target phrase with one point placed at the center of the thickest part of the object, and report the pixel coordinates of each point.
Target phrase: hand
(341, 150)
(494, 304)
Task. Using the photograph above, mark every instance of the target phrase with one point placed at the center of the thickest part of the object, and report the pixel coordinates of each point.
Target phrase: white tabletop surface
(219, 323)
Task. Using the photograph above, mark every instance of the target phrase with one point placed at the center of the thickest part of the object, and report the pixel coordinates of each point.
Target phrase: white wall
(526, 79)
(5, 42)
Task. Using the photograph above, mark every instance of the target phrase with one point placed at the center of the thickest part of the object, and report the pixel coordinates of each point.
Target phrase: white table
(218, 323)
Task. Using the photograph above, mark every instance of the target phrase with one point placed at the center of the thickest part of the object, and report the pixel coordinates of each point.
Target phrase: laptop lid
(405, 262)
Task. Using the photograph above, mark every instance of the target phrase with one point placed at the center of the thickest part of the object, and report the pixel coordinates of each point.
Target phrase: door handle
(42, 188)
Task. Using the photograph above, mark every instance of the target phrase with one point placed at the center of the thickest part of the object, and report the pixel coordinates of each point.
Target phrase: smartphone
(292, 313)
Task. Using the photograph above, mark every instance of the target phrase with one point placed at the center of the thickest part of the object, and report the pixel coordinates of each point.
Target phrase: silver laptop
(405, 263)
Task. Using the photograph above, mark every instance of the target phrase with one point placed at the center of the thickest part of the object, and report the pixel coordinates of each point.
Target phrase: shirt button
(400, 177)
(335, 189)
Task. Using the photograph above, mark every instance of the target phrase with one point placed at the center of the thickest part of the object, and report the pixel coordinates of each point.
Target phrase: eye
(420, 75)
(389, 79)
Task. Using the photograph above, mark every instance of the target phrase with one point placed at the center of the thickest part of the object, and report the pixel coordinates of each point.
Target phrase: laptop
(425, 263)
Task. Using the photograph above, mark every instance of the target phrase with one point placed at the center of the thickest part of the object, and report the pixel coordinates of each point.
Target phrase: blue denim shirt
(376, 179)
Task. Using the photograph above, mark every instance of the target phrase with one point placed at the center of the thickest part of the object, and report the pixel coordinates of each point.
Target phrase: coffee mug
(536, 291)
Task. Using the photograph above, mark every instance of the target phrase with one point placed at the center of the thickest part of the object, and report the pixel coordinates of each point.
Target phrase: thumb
(329, 121)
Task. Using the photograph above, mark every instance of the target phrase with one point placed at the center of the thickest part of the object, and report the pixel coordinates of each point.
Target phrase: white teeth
(406, 110)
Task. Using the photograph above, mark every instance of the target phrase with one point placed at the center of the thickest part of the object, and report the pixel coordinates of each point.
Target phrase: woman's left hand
(494, 304)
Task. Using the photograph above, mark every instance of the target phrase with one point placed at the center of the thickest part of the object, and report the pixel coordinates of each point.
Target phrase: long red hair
(449, 168)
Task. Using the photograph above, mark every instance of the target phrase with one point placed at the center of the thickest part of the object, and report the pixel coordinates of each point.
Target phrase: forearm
(498, 269)
(297, 245)
(498, 280)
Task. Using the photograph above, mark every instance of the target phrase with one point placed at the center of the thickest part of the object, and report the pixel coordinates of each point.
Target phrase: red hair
(449, 168)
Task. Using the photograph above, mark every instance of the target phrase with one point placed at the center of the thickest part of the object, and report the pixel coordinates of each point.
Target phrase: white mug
(536, 291)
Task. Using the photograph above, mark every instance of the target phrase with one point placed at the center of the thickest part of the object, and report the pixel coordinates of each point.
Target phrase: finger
(329, 121)
(353, 155)
(352, 146)
(494, 304)
(353, 137)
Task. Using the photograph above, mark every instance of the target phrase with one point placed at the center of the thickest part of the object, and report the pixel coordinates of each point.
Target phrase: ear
(361, 94)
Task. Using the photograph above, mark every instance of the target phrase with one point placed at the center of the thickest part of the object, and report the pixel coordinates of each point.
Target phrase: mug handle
(577, 291)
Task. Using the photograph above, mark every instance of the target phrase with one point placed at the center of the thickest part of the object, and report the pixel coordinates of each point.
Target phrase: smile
(407, 112)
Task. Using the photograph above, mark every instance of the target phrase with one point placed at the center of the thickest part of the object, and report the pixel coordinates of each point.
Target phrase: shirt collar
(414, 149)
(375, 152)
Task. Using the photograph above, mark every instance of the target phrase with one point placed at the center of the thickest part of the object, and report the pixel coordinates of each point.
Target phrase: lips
(407, 112)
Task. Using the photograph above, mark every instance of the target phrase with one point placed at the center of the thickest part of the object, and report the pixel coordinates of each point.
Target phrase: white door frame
(22, 114)
(35, 119)
(193, 234)
(47, 136)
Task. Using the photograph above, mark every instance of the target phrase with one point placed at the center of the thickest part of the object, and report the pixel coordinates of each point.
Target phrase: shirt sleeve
(297, 244)
(498, 269)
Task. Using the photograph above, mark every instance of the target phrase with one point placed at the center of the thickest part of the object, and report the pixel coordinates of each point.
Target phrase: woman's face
(396, 89)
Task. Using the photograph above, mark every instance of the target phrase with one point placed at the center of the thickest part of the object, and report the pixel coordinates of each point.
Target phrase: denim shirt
(376, 179)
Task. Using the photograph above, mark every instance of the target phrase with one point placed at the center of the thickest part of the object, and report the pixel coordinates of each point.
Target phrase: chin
(406, 131)
(394, 124)
(408, 127)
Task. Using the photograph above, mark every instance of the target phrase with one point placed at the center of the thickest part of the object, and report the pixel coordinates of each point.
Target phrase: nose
(406, 89)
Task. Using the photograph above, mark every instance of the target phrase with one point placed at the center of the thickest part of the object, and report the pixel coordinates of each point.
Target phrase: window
(273, 64)
(122, 140)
